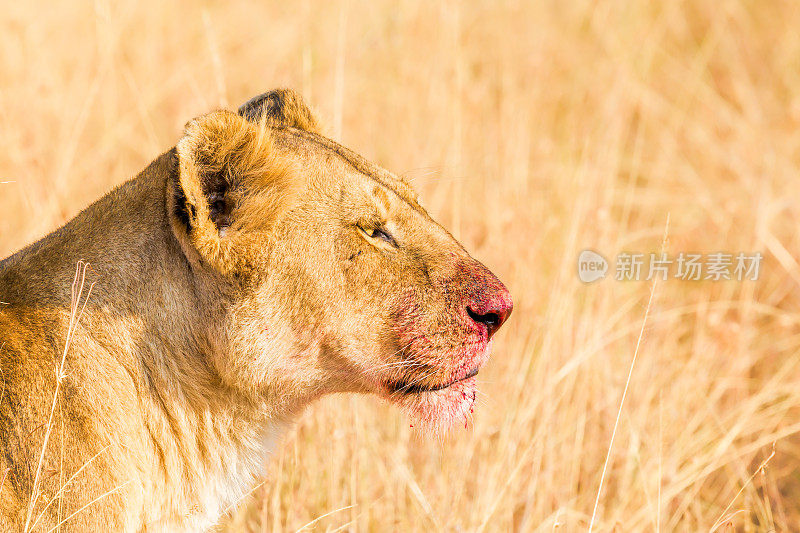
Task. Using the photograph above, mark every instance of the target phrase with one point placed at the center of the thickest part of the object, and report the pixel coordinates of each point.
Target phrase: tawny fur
(236, 279)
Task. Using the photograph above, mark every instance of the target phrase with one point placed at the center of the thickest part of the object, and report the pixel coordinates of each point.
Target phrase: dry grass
(78, 305)
(533, 130)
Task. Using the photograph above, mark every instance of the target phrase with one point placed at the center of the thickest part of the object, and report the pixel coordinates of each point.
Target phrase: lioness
(247, 271)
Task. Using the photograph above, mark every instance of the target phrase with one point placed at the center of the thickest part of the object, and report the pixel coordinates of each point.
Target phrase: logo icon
(591, 266)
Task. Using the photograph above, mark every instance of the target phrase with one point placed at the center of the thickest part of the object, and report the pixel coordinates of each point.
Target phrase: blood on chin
(438, 411)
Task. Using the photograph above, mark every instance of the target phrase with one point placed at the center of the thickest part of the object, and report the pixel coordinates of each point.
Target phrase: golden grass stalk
(66, 484)
(317, 519)
(86, 506)
(628, 382)
(76, 311)
(724, 517)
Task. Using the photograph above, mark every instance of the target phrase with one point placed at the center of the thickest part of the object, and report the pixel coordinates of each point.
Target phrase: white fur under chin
(226, 487)
(242, 478)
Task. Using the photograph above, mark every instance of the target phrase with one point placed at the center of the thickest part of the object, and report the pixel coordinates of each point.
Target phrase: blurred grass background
(532, 130)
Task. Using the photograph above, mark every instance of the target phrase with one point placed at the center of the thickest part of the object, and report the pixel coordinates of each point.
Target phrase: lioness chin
(247, 271)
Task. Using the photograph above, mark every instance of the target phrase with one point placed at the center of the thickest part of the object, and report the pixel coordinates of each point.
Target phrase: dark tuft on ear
(215, 184)
(184, 211)
(280, 108)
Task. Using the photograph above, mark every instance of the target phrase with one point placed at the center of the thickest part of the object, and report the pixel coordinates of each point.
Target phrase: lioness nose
(492, 312)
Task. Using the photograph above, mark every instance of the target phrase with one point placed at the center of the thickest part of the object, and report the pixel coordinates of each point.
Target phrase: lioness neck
(191, 446)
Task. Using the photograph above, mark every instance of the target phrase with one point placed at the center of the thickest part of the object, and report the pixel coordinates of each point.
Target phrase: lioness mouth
(417, 389)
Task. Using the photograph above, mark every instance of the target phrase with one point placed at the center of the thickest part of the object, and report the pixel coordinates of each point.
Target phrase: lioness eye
(380, 233)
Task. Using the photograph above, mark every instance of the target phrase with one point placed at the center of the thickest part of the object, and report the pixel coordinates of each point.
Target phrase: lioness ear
(230, 182)
(280, 108)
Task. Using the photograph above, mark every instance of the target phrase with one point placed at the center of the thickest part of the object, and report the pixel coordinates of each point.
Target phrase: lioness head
(329, 273)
